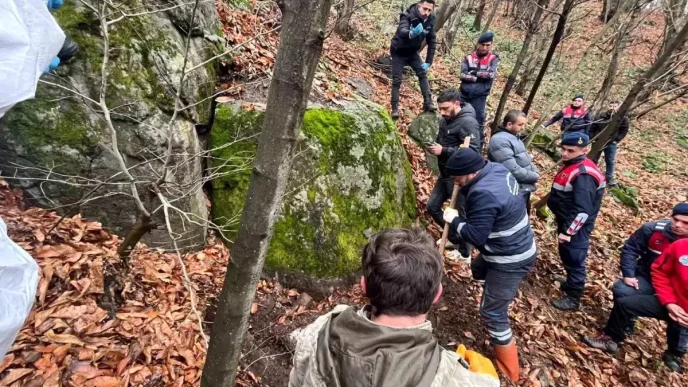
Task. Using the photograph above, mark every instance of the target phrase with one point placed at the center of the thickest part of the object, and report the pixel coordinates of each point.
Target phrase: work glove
(473, 73)
(54, 4)
(477, 363)
(52, 66)
(426, 66)
(450, 214)
(415, 31)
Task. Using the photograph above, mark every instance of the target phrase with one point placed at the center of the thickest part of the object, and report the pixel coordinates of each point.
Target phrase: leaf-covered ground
(154, 339)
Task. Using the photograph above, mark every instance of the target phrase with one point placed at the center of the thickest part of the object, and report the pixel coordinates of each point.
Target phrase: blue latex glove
(415, 31)
(426, 66)
(54, 4)
(52, 66)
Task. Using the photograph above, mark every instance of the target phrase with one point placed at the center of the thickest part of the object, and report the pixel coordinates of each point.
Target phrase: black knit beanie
(464, 162)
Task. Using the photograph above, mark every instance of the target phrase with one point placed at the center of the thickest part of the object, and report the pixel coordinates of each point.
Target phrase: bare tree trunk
(446, 11)
(493, 12)
(612, 68)
(301, 42)
(532, 29)
(479, 15)
(640, 84)
(343, 27)
(451, 31)
(530, 65)
(142, 227)
(556, 38)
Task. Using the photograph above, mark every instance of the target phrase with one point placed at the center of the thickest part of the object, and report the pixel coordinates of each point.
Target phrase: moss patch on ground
(350, 179)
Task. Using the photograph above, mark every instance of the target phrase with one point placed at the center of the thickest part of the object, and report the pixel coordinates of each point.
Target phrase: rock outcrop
(61, 136)
(423, 130)
(350, 178)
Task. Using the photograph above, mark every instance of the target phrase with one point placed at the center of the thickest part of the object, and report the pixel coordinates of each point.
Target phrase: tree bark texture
(531, 63)
(479, 15)
(301, 42)
(451, 31)
(530, 32)
(445, 12)
(343, 26)
(556, 38)
(640, 84)
(613, 67)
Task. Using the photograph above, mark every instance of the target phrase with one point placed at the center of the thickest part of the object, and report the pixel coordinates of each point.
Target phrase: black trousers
(440, 193)
(478, 104)
(573, 258)
(626, 309)
(413, 61)
(500, 289)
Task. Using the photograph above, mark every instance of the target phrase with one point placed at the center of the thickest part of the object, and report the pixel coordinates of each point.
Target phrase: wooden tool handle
(452, 203)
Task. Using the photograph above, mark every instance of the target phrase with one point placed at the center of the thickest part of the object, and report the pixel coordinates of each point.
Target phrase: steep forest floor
(154, 338)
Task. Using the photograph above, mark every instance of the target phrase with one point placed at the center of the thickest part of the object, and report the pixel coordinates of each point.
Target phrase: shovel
(452, 203)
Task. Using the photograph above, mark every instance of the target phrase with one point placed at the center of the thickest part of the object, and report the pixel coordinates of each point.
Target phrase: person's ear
(438, 295)
(363, 285)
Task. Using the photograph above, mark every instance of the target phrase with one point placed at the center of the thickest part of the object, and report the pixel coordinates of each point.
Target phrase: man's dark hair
(511, 117)
(402, 271)
(428, 1)
(449, 95)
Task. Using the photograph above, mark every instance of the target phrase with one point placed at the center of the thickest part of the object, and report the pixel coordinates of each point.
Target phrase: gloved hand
(450, 214)
(477, 363)
(473, 73)
(415, 31)
(52, 66)
(426, 66)
(54, 4)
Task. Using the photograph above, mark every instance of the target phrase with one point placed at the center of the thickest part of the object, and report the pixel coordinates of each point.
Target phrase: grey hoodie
(344, 348)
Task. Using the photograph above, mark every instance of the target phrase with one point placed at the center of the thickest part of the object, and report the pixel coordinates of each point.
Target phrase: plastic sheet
(18, 283)
(29, 39)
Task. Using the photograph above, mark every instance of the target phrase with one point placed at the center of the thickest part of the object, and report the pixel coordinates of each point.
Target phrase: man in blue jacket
(575, 200)
(496, 222)
(478, 71)
(574, 117)
(416, 25)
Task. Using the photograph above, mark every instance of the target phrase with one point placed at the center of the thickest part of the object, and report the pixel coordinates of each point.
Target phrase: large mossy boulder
(62, 136)
(350, 178)
(423, 130)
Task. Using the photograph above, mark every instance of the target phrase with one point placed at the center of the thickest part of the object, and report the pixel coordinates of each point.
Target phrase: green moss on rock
(350, 179)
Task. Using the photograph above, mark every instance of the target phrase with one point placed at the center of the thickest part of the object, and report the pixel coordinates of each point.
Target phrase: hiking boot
(566, 303)
(395, 113)
(673, 362)
(603, 343)
(630, 329)
(429, 107)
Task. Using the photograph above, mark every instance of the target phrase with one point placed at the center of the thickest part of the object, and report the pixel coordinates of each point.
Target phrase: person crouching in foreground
(669, 303)
(388, 343)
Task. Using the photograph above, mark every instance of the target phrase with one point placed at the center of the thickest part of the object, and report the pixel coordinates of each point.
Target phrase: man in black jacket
(599, 124)
(456, 124)
(416, 25)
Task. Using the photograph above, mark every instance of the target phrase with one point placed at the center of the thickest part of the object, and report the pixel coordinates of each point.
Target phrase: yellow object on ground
(477, 362)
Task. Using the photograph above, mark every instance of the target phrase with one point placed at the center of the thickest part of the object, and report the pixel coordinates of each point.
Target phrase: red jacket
(670, 275)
